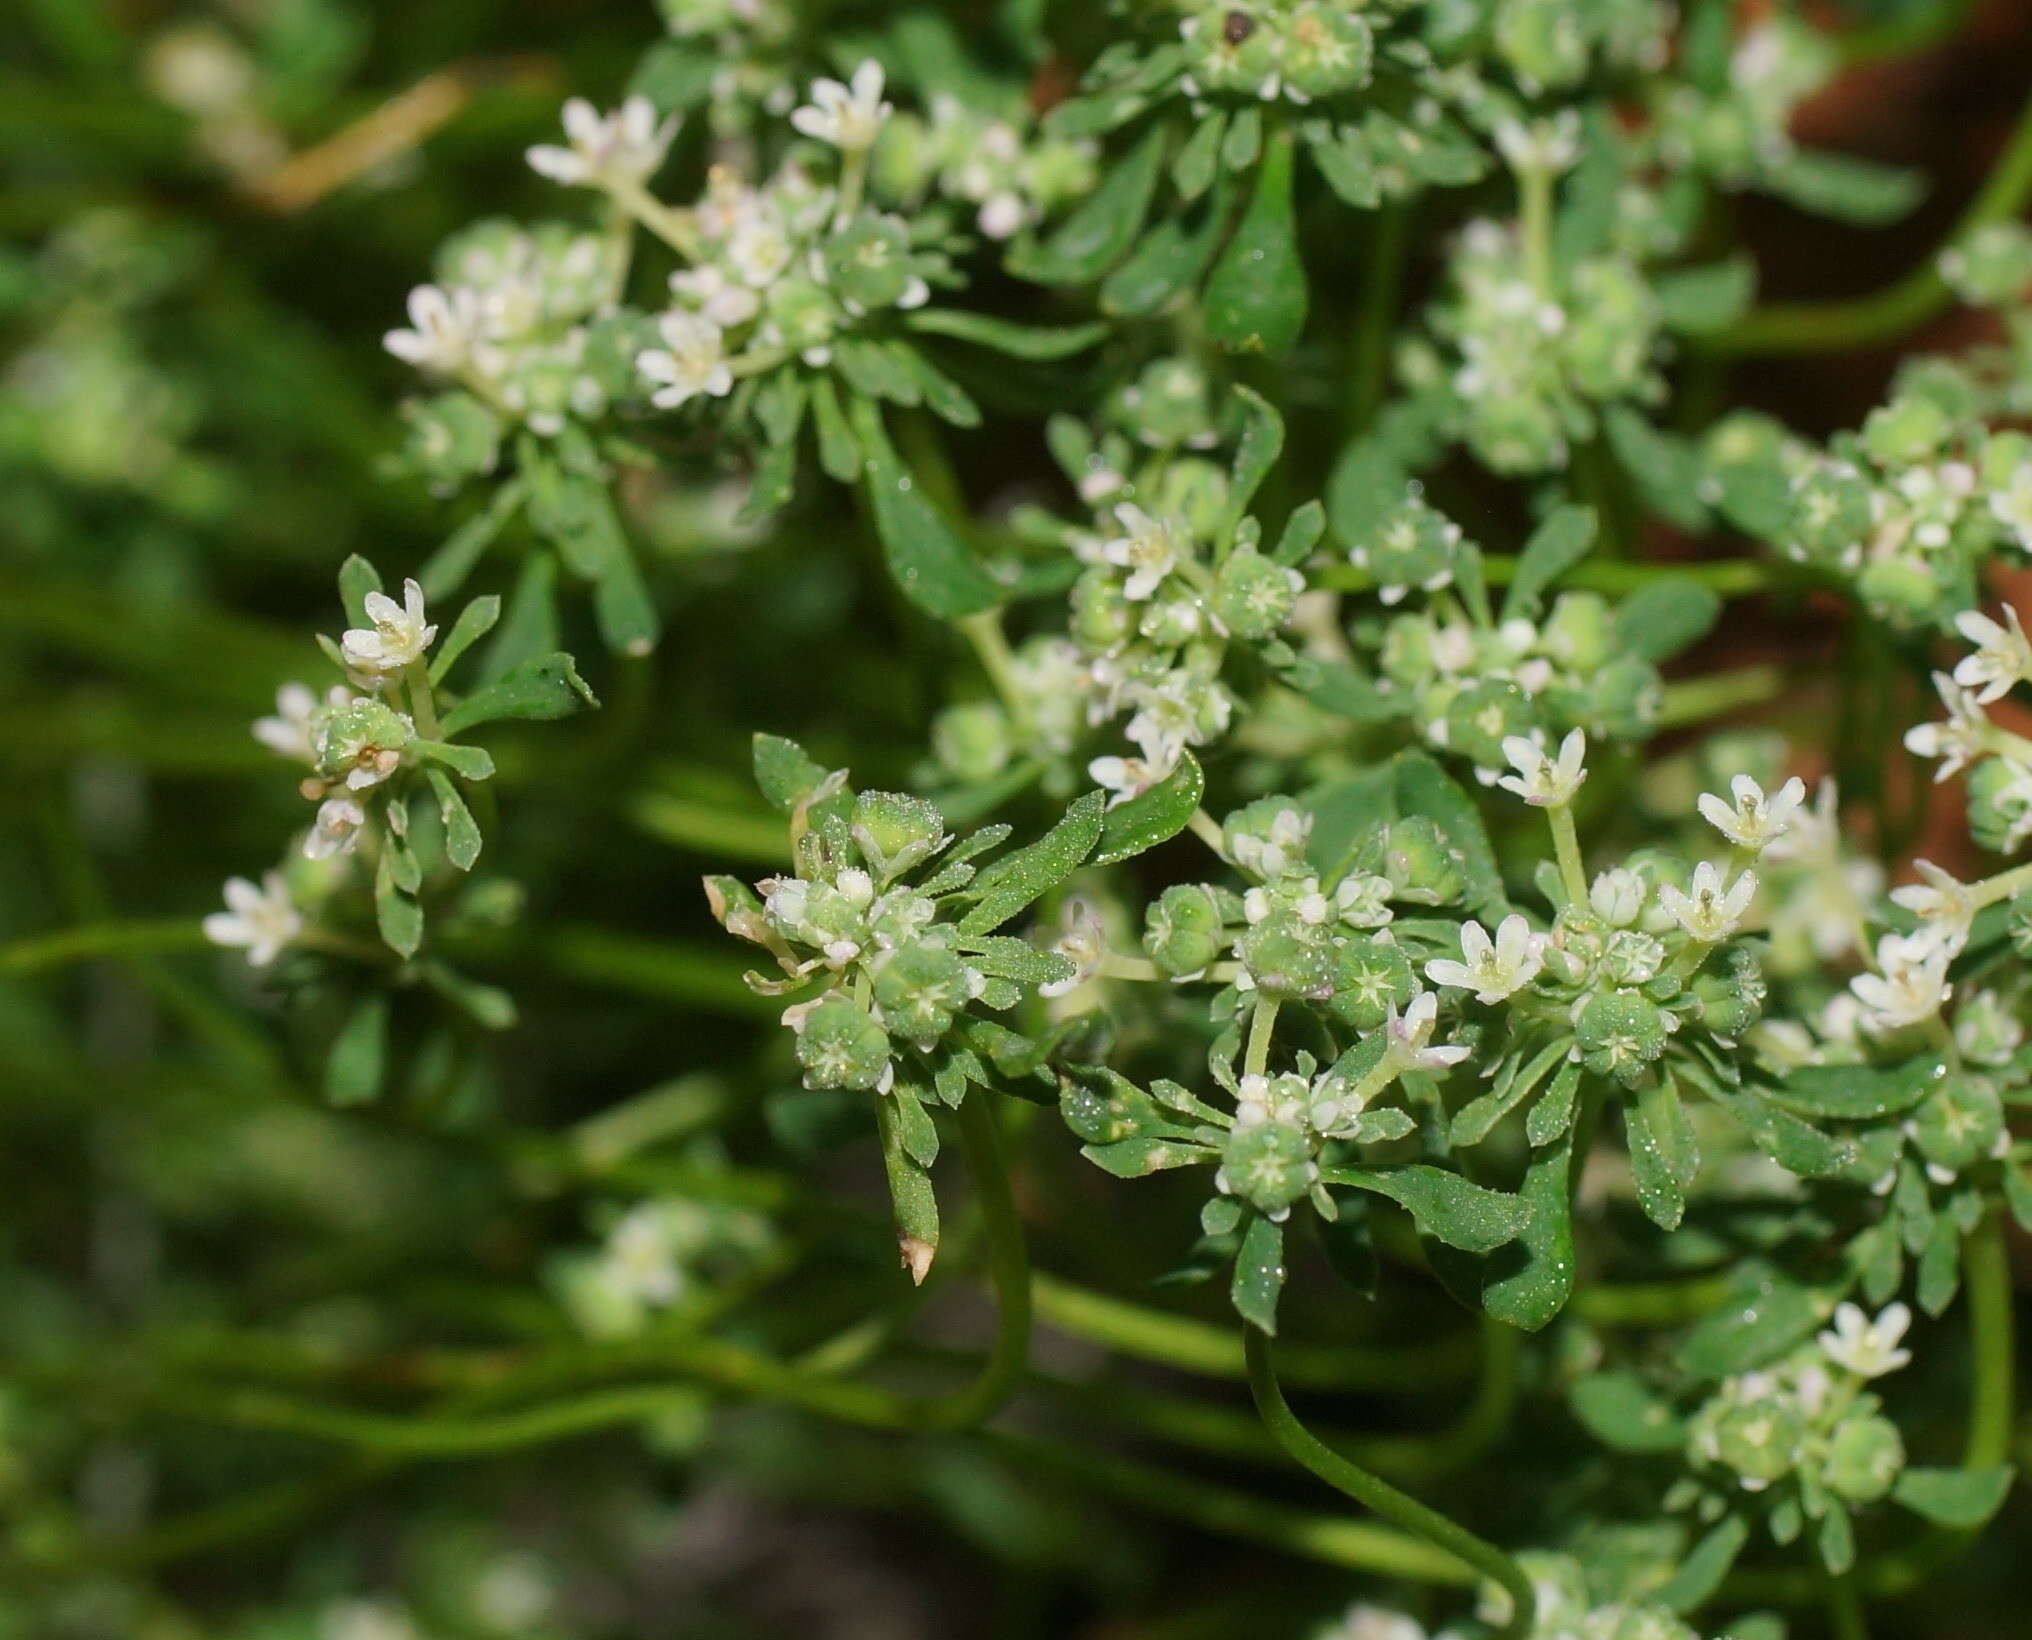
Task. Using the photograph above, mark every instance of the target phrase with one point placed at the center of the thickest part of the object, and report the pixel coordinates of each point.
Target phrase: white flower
(1148, 550)
(339, 820)
(1617, 896)
(446, 326)
(2011, 504)
(848, 118)
(710, 292)
(692, 362)
(288, 732)
(1753, 820)
(1711, 911)
(1547, 146)
(624, 147)
(1942, 903)
(1955, 739)
(398, 636)
(640, 1257)
(1362, 900)
(1364, 1622)
(1869, 1349)
(1540, 780)
(1082, 941)
(1911, 988)
(1277, 848)
(2003, 657)
(1125, 777)
(261, 920)
(1409, 1032)
(1493, 969)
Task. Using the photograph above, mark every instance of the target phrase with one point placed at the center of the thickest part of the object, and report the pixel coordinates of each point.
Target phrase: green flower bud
(1195, 492)
(1268, 1164)
(1943, 383)
(1327, 49)
(1254, 595)
(483, 254)
(2000, 813)
(1759, 1440)
(612, 345)
(1419, 862)
(1169, 404)
(361, 742)
(1171, 621)
(1991, 267)
(1624, 697)
(1730, 1002)
(868, 262)
(841, 1047)
(895, 832)
(1483, 716)
(1267, 837)
(1613, 325)
(1864, 1456)
(972, 741)
(1960, 1123)
(904, 161)
(803, 312)
(1632, 957)
(2004, 453)
(1412, 545)
(1369, 979)
(1620, 1032)
(452, 437)
(1101, 617)
(1289, 958)
(1407, 656)
(1234, 47)
(1905, 432)
(919, 988)
(1903, 590)
(1545, 41)
(1183, 930)
(1833, 508)
(1580, 633)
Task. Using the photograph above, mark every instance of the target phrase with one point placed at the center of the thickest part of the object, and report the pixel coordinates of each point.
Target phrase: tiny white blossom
(339, 820)
(640, 1257)
(1540, 780)
(1083, 941)
(1278, 848)
(1547, 146)
(1911, 987)
(398, 635)
(366, 1620)
(1753, 820)
(847, 116)
(445, 328)
(1712, 910)
(692, 362)
(1410, 1032)
(2002, 659)
(2011, 504)
(1956, 738)
(1942, 903)
(624, 147)
(1124, 777)
(1869, 1349)
(288, 732)
(259, 920)
(1492, 968)
(1362, 900)
(1148, 549)
(1617, 896)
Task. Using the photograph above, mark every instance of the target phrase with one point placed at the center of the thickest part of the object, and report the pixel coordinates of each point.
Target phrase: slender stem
(1845, 1619)
(991, 647)
(1368, 365)
(1566, 846)
(422, 700)
(1534, 194)
(1693, 700)
(38, 952)
(1263, 1021)
(1986, 1272)
(1008, 1269)
(1726, 577)
(1815, 327)
(1208, 830)
(1378, 1494)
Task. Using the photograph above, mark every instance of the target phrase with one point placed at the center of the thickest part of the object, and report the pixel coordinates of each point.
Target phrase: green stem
(1369, 361)
(422, 700)
(1694, 700)
(998, 660)
(1008, 1270)
(1378, 1494)
(1262, 1022)
(1986, 1273)
(1566, 846)
(39, 952)
(1725, 577)
(1918, 29)
(1845, 1619)
(1817, 327)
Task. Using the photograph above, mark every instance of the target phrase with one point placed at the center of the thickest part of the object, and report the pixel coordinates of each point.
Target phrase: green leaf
(628, 621)
(1846, 188)
(462, 832)
(1010, 884)
(839, 452)
(1622, 1411)
(1764, 1314)
(1858, 1093)
(1665, 468)
(1256, 452)
(772, 483)
(547, 687)
(1346, 814)
(1243, 143)
(912, 1203)
(915, 1129)
(1301, 533)
(1700, 301)
(475, 621)
(943, 396)
(1018, 341)
(359, 1054)
(1138, 1158)
(1259, 1274)
(467, 762)
(784, 773)
(1445, 1205)
(488, 1006)
(934, 567)
(871, 369)
(1559, 543)
(1664, 1154)
(573, 512)
(1528, 1283)
(1171, 259)
(1255, 298)
(1151, 817)
(1794, 1145)
(1700, 1574)
(530, 627)
(357, 578)
(1091, 240)
(1962, 1499)
(1192, 172)
(1368, 480)
(399, 918)
(1346, 161)
(1663, 618)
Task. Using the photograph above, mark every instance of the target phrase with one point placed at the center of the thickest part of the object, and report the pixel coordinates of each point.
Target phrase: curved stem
(1816, 327)
(1986, 1273)
(38, 952)
(1372, 1491)
(1008, 1269)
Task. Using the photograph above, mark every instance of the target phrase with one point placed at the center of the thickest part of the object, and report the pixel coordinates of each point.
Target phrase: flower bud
(868, 262)
(1254, 595)
(1183, 930)
(1102, 617)
(1486, 714)
(971, 741)
(895, 832)
(1289, 958)
(1864, 1456)
(1268, 1164)
(1419, 863)
(1729, 1003)
(919, 988)
(1580, 633)
(1619, 1033)
(839, 1046)
(451, 437)
(1370, 979)
(1959, 1124)
(361, 742)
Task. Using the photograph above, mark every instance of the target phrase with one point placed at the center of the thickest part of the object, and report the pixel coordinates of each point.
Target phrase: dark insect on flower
(1238, 27)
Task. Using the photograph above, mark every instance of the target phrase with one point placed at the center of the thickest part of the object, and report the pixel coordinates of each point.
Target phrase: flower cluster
(658, 1256)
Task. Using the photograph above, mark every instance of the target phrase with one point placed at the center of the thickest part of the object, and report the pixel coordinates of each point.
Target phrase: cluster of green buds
(727, 59)
(656, 1257)
(1998, 761)
(1803, 1441)
(1011, 175)
(1729, 120)
(1991, 267)
(1466, 676)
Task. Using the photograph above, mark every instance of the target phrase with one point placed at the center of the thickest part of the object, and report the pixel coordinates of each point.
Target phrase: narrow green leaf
(359, 1053)
(1445, 1205)
(1256, 297)
(1622, 1411)
(357, 578)
(1846, 188)
(1151, 817)
(1257, 450)
(1661, 619)
(1858, 1093)
(1700, 301)
(1018, 341)
(1093, 238)
(1764, 1314)
(462, 832)
(445, 571)
(914, 1206)
(934, 567)
(1559, 543)
(1700, 1574)
(547, 687)
(1962, 1499)
(475, 621)
(784, 773)
(1010, 884)
(1259, 1274)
